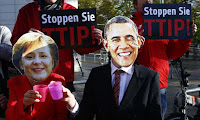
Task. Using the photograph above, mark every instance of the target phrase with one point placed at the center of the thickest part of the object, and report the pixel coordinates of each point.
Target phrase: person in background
(28, 20)
(122, 89)
(156, 53)
(35, 56)
(5, 57)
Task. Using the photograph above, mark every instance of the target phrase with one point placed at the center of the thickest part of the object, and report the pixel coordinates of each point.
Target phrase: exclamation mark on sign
(188, 27)
(93, 38)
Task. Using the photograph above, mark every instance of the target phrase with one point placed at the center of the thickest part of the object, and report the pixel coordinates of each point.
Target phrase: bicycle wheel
(177, 116)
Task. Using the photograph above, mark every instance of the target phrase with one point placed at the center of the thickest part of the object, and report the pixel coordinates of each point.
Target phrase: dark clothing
(141, 100)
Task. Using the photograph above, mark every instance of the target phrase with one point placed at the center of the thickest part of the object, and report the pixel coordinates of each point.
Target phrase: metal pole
(76, 56)
(162, 1)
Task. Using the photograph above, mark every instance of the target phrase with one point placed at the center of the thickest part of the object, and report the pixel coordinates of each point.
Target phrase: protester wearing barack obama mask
(122, 89)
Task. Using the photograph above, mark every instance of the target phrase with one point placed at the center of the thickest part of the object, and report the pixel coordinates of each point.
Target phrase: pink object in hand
(55, 89)
(42, 89)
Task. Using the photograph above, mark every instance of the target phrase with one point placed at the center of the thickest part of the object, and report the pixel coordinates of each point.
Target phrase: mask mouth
(37, 70)
(124, 54)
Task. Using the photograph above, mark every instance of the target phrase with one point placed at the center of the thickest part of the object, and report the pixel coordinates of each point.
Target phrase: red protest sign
(167, 21)
(70, 28)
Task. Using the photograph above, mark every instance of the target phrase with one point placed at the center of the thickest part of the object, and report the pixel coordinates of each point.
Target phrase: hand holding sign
(98, 35)
(194, 27)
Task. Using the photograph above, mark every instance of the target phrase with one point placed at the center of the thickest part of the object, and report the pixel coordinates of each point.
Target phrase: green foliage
(196, 18)
(107, 9)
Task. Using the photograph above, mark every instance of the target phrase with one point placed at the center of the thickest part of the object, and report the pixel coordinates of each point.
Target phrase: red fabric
(116, 86)
(156, 53)
(28, 17)
(48, 110)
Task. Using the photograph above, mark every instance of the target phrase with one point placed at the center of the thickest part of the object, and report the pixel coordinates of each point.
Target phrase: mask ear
(141, 41)
(105, 44)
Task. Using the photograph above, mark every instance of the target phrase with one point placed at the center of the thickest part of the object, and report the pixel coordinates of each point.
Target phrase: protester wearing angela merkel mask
(35, 56)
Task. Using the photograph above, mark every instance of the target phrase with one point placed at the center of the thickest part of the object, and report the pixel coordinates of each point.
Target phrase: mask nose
(123, 44)
(37, 60)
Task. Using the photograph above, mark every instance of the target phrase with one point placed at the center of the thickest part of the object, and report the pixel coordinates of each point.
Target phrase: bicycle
(180, 111)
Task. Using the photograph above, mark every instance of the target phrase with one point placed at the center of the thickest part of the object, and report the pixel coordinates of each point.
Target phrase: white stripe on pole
(72, 2)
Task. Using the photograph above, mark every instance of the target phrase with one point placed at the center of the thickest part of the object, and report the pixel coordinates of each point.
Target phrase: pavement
(191, 66)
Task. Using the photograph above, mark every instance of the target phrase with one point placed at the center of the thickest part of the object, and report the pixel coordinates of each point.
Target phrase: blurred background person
(5, 57)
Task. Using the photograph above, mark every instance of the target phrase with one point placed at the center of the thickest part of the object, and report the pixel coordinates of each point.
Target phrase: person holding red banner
(156, 53)
(28, 20)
